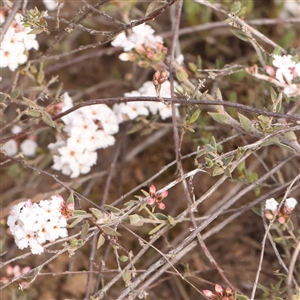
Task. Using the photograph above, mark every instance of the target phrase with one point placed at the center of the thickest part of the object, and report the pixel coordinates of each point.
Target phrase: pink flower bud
(270, 70)
(161, 206)
(208, 293)
(150, 201)
(228, 291)
(219, 290)
(164, 194)
(281, 220)
(152, 189)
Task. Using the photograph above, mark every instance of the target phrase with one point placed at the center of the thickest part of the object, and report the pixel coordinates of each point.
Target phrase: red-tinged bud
(150, 201)
(269, 216)
(219, 290)
(208, 293)
(228, 291)
(225, 298)
(281, 220)
(152, 189)
(164, 194)
(270, 70)
(161, 206)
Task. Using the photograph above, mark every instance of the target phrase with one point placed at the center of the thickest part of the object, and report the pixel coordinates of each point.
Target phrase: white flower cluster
(33, 224)
(131, 110)
(287, 70)
(88, 129)
(92, 127)
(141, 35)
(28, 146)
(15, 44)
(272, 204)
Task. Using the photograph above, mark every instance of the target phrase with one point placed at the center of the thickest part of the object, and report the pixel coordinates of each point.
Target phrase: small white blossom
(28, 147)
(10, 147)
(271, 204)
(290, 203)
(141, 34)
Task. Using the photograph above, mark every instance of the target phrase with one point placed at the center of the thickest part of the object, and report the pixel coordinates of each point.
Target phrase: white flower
(271, 204)
(28, 147)
(141, 34)
(51, 4)
(283, 62)
(16, 129)
(290, 203)
(10, 147)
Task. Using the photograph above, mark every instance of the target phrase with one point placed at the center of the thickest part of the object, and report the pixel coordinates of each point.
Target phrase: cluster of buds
(13, 272)
(156, 198)
(146, 56)
(220, 294)
(160, 77)
(285, 211)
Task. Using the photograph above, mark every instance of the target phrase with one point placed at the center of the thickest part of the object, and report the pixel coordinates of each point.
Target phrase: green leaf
(213, 142)
(156, 229)
(240, 35)
(79, 212)
(181, 75)
(203, 96)
(236, 7)
(154, 6)
(145, 193)
(195, 116)
(30, 103)
(75, 222)
(110, 231)
(85, 229)
(256, 210)
(33, 112)
(126, 276)
(112, 208)
(47, 119)
(101, 241)
(136, 220)
(286, 147)
(192, 67)
(161, 216)
(218, 171)
(40, 77)
(209, 148)
(226, 161)
(273, 94)
(35, 31)
(3, 97)
(171, 221)
(15, 94)
(245, 123)
(199, 62)
(96, 212)
(220, 118)
(219, 95)
(124, 258)
(135, 128)
(71, 198)
(227, 172)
